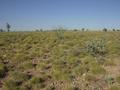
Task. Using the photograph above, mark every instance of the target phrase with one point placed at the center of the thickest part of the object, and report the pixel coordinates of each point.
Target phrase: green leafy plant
(96, 47)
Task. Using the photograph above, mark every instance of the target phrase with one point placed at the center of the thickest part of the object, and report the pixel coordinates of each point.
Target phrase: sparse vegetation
(60, 60)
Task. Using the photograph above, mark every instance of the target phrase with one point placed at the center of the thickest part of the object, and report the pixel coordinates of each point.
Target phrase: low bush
(96, 47)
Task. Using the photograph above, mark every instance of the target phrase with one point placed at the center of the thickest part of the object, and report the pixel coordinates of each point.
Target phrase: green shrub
(96, 47)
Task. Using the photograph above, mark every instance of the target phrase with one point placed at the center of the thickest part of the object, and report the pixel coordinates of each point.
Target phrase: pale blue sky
(31, 14)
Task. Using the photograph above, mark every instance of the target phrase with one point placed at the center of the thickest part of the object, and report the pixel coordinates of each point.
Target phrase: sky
(35, 14)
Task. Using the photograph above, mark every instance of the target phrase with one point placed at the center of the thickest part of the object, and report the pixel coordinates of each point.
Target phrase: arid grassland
(60, 60)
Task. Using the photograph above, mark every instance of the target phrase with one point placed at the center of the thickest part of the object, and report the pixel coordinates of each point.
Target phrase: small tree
(1, 30)
(41, 30)
(105, 29)
(83, 29)
(8, 27)
(114, 30)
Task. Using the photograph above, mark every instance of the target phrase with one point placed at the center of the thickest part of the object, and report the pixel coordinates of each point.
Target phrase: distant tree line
(83, 29)
(105, 30)
(8, 27)
(41, 30)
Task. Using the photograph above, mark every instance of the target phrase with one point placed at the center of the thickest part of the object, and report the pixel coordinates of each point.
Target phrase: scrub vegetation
(60, 60)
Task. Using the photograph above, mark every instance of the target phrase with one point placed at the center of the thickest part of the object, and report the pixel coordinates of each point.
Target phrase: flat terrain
(60, 60)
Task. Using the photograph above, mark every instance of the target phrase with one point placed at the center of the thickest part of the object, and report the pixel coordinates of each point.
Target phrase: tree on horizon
(8, 26)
